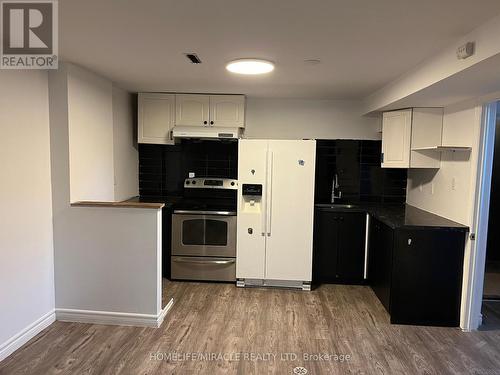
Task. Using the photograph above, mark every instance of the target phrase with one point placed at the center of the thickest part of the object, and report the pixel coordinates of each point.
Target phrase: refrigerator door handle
(269, 198)
(263, 218)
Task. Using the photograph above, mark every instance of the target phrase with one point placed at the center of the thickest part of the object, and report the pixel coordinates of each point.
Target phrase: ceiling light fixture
(250, 66)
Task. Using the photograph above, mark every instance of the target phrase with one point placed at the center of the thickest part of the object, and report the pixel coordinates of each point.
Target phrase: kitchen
(199, 209)
(253, 223)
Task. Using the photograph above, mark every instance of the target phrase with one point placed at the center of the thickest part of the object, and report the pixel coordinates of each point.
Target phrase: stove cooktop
(208, 195)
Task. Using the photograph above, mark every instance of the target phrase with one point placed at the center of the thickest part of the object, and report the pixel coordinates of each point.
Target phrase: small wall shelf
(443, 148)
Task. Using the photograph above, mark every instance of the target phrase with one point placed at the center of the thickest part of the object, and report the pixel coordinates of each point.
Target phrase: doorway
(491, 287)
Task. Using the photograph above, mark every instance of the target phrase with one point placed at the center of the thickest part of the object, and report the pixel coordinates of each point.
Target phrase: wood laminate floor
(491, 316)
(222, 319)
(491, 285)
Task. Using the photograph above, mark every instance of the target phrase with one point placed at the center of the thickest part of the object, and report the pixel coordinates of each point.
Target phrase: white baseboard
(113, 318)
(164, 312)
(21, 338)
(81, 316)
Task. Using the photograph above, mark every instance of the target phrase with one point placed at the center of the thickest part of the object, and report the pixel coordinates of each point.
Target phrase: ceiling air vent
(193, 58)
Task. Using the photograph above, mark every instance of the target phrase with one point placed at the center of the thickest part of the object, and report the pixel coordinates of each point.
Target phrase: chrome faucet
(335, 187)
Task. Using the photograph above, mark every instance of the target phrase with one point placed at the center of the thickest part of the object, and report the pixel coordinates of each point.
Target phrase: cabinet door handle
(409, 241)
(367, 246)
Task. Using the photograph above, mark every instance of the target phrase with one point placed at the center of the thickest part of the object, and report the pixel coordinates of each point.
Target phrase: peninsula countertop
(134, 202)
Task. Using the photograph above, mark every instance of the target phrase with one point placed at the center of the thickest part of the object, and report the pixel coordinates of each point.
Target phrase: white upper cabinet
(156, 114)
(410, 136)
(210, 110)
(227, 111)
(192, 110)
(396, 139)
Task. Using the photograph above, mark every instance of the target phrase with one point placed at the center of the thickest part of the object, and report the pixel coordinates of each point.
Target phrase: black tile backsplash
(361, 179)
(162, 169)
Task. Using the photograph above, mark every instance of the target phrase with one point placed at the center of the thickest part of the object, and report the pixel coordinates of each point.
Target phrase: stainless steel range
(204, 231)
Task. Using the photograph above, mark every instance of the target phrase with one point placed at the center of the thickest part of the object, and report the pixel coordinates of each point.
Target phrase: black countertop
(393, 215)
(398, 215)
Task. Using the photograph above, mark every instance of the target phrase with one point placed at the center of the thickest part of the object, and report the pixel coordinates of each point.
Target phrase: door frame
(474, 269)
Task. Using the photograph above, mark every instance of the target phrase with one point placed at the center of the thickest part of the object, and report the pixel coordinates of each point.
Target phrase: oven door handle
(206, 213)
(201, 261)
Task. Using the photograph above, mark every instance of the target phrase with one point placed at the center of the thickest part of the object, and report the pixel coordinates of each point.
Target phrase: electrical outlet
(453, 184)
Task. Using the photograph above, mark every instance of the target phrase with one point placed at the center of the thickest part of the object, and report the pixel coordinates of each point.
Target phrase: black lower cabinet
(417, 273)
(339, 247)
(381, 239)
(427, 277)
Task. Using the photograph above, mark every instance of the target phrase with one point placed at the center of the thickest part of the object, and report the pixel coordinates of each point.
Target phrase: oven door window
(204, 232)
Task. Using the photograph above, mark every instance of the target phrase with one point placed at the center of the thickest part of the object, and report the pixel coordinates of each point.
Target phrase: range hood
(206, 132)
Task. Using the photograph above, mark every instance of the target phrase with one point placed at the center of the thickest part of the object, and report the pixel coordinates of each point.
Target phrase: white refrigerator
(275, 212)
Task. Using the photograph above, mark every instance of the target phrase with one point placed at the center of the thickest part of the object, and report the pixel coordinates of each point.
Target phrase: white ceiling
(362, 44)
(478, 81)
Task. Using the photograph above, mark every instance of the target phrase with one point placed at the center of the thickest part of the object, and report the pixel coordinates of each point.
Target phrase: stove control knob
(194, 182)
(250, 230)
(188, 182)
(232, 183)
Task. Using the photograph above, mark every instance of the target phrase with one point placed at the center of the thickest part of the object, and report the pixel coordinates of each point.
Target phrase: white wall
(432, 190)
(125, 154)
(106, 259)
(26, 248)
(308, 118)
(90, 118)
(101, 131)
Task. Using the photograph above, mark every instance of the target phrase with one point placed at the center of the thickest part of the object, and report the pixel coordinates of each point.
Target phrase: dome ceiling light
(250, 66)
